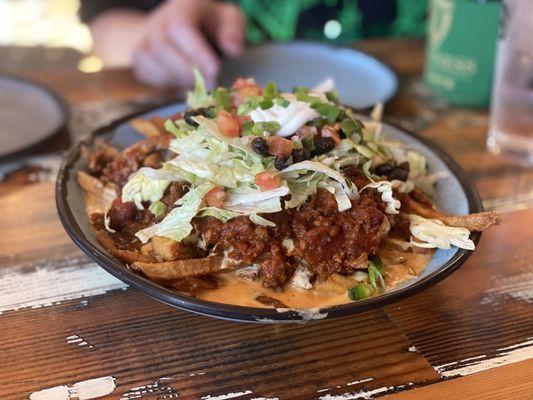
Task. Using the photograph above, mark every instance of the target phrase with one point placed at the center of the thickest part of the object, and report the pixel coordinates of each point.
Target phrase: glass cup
(511, 122)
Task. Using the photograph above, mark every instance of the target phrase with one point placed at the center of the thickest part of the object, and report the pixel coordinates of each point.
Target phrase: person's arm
(165, 44)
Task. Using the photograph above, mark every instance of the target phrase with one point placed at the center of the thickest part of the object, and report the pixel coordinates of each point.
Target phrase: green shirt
(335, 21)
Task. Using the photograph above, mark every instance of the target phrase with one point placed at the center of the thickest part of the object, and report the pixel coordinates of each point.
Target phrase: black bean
(260, 146)
(383, 169)
(193, 113)
(299, 155)
(399, 174)
(404, 165)
(323, 145)
(281, 162)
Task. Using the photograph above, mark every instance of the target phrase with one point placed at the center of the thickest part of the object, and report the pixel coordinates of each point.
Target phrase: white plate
(29, 114)
(362, 81)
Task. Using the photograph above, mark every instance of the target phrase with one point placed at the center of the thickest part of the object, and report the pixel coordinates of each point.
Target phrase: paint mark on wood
(196, 373)
(53, 393)
(504, 356)
(49, 283)
(517, 287)
(227, 396)
(366, 394)
(265, 398)
(83, 390)
(157, 387)
(78, 341)
(363, 380)
(413, 349)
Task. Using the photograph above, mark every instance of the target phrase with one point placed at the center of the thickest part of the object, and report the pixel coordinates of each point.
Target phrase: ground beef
(326, 239)
(131, 159)
(245, 240)
(356, 176)
(332, 241)
(174, 192)
(276, 269)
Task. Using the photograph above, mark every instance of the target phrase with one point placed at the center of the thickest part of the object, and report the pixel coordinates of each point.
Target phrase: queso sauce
(399, 266)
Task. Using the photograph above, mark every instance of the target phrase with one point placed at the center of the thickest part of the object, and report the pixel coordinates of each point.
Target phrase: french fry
(473, 222)
(131, 256)
(105, 240)
(127, 256)
(144, 127)
(98, 196)
(170, 270)
(166, 248)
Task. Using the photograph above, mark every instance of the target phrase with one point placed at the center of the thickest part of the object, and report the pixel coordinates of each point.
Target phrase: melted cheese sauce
(399, 266)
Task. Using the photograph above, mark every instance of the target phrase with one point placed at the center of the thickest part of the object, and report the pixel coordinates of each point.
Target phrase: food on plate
(258, 197)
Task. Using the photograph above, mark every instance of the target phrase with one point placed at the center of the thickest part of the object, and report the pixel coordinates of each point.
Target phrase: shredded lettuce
(258, 220)
(434, 234)
(343, 189)
(301, 188)
(218, 213)
(233, 199)
(266, 206)
(177, 224)
(199, 97)
(139, 188)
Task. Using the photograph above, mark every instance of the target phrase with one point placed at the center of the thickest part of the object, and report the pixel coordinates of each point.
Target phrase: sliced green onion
(271, 127)
(157, 208)
(333, 96)
(375, 277)
(223, 99)
(348, 127)
(266, 104)
(270, 91)
(377, 262)
(360, 292)
(248, 106)
(247, 128)
(300, 90)
(309, 143)
(280, 101)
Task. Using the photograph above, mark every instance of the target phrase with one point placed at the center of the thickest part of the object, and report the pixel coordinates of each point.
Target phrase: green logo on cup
(460, 54)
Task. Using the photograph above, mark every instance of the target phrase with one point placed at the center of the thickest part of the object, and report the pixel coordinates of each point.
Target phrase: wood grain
(476, 320)
(512, 382)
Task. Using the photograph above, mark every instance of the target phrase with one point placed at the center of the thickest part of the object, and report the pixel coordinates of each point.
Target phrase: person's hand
(179, 36)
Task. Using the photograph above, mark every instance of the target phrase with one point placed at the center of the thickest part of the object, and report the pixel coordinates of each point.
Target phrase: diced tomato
(244, 88)
(228, 124)
(278, 146)
(215, 197)
(267, 180)
(244, 82)
(332, 132)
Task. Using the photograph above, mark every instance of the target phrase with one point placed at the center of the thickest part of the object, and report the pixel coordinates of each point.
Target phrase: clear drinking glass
(511, 124)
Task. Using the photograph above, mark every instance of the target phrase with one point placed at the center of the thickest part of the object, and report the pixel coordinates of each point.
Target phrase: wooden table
(68, 327)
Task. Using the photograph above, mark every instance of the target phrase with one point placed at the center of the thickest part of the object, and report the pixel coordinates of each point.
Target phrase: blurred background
(43, 34)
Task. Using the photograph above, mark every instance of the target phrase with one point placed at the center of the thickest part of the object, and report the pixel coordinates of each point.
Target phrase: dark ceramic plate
(455, 194)
(20, 98)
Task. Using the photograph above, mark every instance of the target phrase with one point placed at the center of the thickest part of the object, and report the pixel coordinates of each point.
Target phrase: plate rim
(52, 94)
(245, 313)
